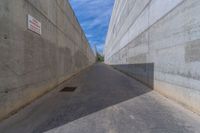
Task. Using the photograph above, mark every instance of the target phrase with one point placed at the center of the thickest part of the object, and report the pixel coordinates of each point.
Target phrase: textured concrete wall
(165, 33)
(32, 64)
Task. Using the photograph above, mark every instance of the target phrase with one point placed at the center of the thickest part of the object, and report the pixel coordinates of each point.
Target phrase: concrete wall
(32, 64)
(165, 33)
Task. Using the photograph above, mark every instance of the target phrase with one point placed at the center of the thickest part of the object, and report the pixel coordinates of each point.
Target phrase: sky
(94, 17)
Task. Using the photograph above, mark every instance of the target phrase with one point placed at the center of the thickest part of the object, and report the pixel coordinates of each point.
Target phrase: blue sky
(94, 17)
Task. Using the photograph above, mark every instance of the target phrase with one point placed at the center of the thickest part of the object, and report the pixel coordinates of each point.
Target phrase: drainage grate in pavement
(68, 89)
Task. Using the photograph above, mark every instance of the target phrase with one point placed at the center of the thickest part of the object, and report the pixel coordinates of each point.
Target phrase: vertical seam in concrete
(148, 39)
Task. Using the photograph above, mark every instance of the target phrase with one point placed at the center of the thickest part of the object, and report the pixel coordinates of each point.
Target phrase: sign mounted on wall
(34, 25)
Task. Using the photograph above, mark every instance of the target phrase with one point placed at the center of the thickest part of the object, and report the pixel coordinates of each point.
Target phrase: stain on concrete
(137, 59)
(192, 52)
(80, 61)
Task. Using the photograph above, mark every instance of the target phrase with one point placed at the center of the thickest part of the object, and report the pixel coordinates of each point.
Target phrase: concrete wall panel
(32, 64)
(166, 33)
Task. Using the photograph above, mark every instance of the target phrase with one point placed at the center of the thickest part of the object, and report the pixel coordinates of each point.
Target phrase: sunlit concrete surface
(105, 101)
(148, 113)
(165, 33)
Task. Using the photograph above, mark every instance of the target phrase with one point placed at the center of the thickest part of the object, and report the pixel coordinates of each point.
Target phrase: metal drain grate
(68, 89)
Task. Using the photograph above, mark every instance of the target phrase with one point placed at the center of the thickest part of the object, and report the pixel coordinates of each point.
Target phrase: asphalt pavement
(101, 99)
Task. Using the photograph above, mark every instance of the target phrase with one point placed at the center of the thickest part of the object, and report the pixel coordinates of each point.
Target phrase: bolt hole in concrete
(5, 36)
(68, 89)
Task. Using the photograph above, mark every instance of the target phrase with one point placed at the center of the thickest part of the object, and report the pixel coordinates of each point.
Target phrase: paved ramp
(105, 101)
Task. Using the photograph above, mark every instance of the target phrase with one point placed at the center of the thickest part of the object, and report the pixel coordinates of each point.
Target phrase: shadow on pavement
(99, 87)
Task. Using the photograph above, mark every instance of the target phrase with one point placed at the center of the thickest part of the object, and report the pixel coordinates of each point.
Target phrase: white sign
(34, 25)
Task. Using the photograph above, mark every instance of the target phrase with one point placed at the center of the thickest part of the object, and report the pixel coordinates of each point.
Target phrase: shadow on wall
(142, 72)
